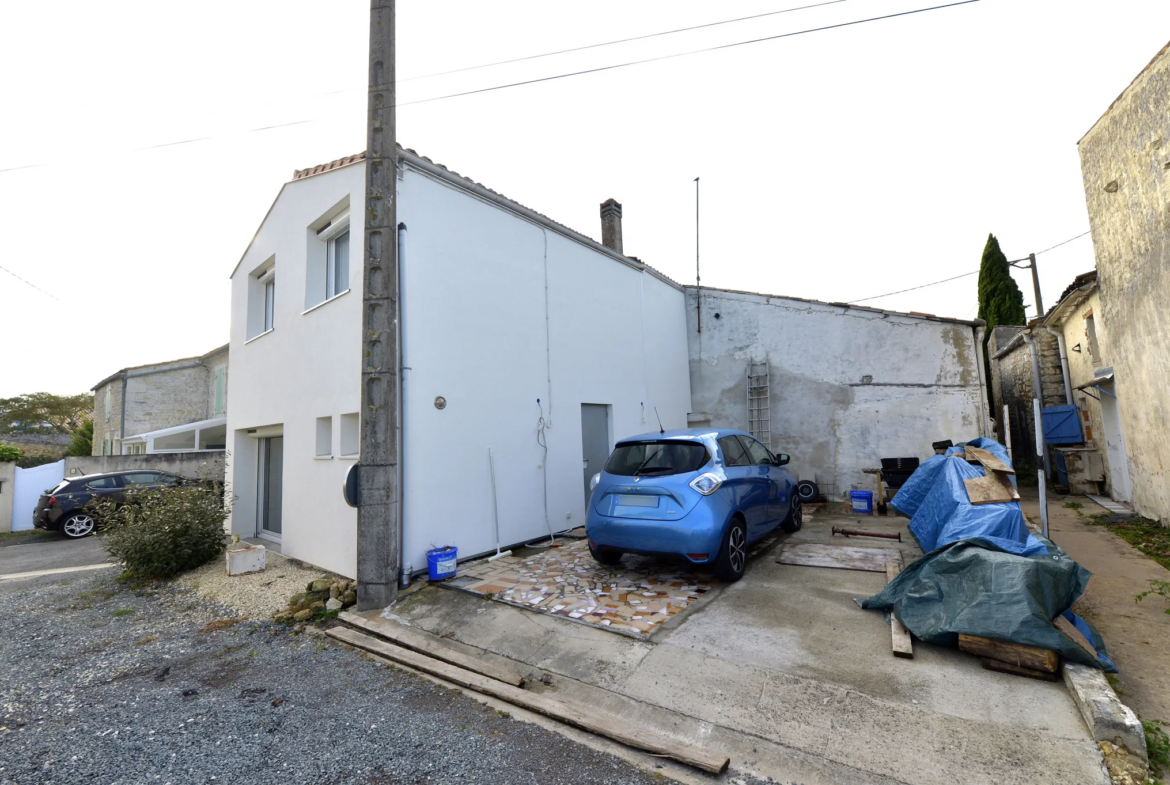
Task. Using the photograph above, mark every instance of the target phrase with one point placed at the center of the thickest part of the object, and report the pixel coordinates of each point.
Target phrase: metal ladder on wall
(759, 405)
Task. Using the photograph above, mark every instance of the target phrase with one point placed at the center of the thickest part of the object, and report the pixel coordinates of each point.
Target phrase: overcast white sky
(836, 165)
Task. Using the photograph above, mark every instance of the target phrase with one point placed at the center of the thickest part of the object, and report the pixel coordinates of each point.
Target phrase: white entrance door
(1114, 444)
(28, 487)
(270, 483)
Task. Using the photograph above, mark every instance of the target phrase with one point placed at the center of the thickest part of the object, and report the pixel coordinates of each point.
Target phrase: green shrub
(1158, 747)
(1159, 588)
(160, 533)
(9, 454)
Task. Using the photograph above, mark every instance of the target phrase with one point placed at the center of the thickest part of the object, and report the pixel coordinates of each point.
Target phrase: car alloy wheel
(78, 525)
(795, 517)
(737, 549)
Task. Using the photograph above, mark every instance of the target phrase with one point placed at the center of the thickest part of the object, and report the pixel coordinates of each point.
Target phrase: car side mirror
(782, 460)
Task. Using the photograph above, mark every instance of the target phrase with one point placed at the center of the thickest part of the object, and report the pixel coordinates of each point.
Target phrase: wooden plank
(1030, 657)
(993, 489)
(1007, 667)
(1072, 633)
(425, 643)
(587, 719)
(841, 557)
(901, 642)
(989, 461)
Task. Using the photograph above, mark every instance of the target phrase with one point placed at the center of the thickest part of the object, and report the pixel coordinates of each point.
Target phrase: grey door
(594, 440)
(271, 483)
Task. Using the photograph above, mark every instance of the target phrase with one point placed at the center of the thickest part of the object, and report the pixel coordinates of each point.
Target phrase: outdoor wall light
(440, 402)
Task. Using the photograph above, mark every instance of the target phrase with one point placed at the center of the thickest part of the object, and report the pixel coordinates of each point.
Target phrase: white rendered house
(521, 338)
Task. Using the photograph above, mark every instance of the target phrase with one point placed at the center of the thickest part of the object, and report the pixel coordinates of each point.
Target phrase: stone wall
(107, 428)
(202, 464)
(848, 386)
(1127, 191)
(1011, 377)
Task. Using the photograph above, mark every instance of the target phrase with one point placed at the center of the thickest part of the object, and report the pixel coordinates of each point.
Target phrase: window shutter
(107, 402)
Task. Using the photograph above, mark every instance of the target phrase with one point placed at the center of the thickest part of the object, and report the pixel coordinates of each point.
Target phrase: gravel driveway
(104, 683)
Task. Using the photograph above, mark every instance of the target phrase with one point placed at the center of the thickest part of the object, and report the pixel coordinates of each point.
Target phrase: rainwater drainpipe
(1038, 394)
(1068, 396)
(403, 568)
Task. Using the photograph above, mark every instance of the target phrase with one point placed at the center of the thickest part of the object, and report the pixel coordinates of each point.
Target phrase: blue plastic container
(862, 502)
(441, 562)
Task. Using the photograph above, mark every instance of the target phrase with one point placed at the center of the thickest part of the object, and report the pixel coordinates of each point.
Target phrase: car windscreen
(657, 458)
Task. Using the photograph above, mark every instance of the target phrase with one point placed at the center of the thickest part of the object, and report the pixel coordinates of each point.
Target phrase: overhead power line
(26, 283)
(619, 41)
(957, 277)
(684, 54)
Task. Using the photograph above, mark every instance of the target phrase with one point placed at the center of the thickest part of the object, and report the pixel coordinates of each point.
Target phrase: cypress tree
(1000, 300)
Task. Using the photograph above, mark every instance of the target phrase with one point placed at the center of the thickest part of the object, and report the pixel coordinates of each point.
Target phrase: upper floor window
(220, 389)
(327, 256)
(261, 300)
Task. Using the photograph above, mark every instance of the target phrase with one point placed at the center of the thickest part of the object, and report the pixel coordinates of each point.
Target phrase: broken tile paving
(633, 598)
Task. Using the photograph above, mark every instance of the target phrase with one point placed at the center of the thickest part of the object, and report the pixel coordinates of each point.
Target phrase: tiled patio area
(632, 598)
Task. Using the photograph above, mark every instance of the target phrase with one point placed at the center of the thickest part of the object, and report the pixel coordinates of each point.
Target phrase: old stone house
(1125, 163)
(1014, 382)
(171, 406)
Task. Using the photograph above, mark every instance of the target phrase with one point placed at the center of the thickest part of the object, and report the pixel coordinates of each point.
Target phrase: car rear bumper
(697, 537)
(47, 519)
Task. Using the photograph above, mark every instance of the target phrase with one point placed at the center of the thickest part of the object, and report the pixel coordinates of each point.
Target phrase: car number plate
(628, 500)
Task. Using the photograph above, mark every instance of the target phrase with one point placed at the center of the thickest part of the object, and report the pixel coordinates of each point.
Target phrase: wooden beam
(584, 718)
(425, 643)
(989, 461)
(902, 643)
(1007, 667)
(841, 557)
(1072, 633)
(1018, 654)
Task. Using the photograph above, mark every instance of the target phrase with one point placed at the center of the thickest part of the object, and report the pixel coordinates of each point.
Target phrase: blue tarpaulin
(983, 573)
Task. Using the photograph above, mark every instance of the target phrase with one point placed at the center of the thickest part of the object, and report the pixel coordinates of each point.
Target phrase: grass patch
(25, 533)
(1075, 506)
(124, 612)
(1158, 748)
(1149, 537)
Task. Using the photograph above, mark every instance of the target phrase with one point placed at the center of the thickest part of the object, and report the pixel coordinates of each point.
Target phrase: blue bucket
(862, 502)
(441, 562)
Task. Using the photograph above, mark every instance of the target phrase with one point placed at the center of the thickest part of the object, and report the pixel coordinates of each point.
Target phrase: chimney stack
(611, 225)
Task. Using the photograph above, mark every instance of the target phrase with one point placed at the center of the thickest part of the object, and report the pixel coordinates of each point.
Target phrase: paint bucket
(441, 562)
(862, 502)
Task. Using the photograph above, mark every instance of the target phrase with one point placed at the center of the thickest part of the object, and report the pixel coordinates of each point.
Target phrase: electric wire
(33, 285)
(618, 41)
(682, 54)
(957, 277)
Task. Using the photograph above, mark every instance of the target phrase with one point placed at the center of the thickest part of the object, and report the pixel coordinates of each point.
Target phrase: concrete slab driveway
(786, 675)
(37, 552)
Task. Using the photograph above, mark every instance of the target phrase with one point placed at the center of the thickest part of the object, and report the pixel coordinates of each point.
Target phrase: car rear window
(657, 458)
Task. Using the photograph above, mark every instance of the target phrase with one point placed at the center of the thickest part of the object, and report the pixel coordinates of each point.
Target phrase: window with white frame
(324, 437)
(350, 435)
(327, 257)
(262, 299)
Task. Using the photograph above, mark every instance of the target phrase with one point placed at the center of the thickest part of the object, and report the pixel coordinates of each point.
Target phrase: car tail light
(52, 501)
(697, 556)
(706, 484)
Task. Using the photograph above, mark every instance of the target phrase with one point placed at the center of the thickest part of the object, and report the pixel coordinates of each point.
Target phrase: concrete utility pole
(379, 515)
(1031, 260)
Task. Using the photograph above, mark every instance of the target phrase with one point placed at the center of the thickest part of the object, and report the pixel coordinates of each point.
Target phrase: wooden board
(587, 719)
(1072, 633)
(903, 645)
(425, 643)
(1007, 667)
(841, 557)
(1029, 657)
(993, 489)
(989, 461)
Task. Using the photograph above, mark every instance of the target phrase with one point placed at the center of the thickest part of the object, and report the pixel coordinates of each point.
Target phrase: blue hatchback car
(702, 494)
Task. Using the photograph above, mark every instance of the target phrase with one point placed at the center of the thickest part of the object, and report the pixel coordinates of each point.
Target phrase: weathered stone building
(1013, 386)
(148, 398)
(836, 386)
(1125, 163)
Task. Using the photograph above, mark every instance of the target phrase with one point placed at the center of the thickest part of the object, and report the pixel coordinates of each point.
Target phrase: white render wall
(307, 367)
(848, 385)
(475, 333)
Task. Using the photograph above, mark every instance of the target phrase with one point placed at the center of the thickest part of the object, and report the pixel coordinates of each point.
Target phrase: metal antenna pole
(698, 292)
